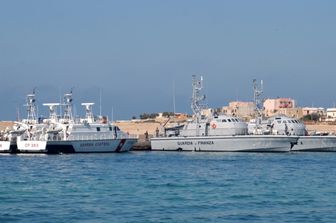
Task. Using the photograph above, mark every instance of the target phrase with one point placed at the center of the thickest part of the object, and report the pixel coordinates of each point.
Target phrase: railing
(95, 136)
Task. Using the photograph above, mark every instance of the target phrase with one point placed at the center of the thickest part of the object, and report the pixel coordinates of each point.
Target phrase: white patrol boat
(218, 133)
(22, 129)
(68, 135)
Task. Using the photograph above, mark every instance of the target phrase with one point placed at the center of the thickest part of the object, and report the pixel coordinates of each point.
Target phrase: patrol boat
(67, 135)
(20, 129)
(217, 133)
(283, 125)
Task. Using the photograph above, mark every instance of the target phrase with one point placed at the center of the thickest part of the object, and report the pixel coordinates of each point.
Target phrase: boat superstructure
(64, 134)
(218, 133)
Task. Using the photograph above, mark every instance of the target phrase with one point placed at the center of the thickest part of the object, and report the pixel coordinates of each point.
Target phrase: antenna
(112, 114)
(60, 100)
(174, 97)
(100, 102)
(17, 113)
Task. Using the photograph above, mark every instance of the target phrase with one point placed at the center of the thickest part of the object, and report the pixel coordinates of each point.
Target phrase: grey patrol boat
(218, 133)
(283, 125)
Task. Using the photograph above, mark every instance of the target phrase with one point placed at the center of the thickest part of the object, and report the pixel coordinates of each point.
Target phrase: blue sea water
(168, 187)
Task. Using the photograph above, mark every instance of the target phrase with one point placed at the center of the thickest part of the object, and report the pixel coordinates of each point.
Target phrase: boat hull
(316, 144)
(76, 146)
(5, 146)
(248, 143)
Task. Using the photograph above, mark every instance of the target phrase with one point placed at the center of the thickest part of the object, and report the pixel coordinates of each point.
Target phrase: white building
(309, 110)
(331, 114)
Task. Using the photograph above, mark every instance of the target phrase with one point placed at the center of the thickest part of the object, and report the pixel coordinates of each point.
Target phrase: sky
(138, 54)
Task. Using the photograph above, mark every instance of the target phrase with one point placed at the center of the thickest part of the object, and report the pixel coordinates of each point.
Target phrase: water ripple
(168, 187)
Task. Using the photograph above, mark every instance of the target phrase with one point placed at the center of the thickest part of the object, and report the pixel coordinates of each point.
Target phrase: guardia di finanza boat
(283, 125)
(217, 133)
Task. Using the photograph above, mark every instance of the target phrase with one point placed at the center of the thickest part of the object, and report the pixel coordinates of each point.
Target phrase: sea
(168, 187)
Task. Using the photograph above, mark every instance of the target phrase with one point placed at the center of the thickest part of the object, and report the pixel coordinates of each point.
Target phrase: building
(309, 110)
(274, 106)
(331, 114)
(245, 110)
(290, 112)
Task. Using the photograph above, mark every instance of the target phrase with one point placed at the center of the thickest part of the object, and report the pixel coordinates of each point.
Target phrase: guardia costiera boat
(217, 133)
(68, 135)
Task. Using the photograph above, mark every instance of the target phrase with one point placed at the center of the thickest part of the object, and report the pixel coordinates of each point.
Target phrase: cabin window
(224, 120)
(229, 120)
(98, 129)
(279, 122)
(237, 120)
(284, 121)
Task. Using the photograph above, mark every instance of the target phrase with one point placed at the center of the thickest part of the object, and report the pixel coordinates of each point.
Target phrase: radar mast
(197, 99)
(257, 92)
(31, 107)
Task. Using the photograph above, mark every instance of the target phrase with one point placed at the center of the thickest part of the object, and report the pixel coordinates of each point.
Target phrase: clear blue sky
(135, 50)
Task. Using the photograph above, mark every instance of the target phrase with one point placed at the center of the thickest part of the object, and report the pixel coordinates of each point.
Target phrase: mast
(52, 110)
(88, 112)
(197, 98)
(100, 102)
(31, 108)
(68, 106)
(174, 107)
(258, 90)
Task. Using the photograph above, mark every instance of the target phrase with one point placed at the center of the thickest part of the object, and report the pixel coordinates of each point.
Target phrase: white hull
(76, 146)
(4, 146)
(246, 143)
(316, 143)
